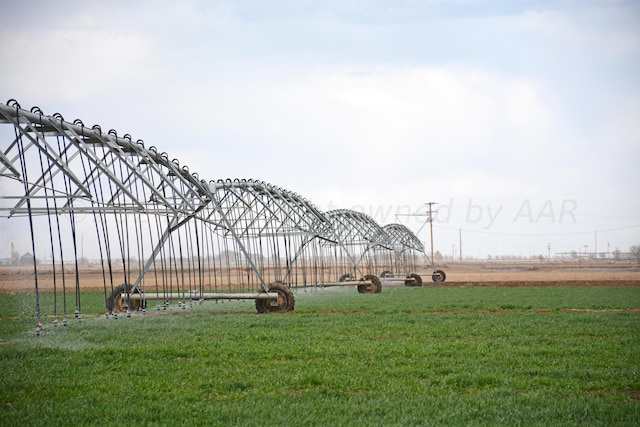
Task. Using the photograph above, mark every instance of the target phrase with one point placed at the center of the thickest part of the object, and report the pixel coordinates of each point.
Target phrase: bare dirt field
(513, 274)
(21, 279)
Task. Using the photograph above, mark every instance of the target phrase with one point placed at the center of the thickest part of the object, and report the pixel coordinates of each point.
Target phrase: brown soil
(21, 279)
(511, 275)
(516, 283)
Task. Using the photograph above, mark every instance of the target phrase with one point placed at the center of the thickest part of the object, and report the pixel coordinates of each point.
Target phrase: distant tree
(635, 251)
(438, 256)
(617, 254)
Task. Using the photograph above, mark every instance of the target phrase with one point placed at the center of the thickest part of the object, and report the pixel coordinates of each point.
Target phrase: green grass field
(408, 356)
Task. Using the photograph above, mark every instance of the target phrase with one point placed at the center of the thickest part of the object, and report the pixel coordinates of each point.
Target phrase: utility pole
(460, 236)
(430, 219)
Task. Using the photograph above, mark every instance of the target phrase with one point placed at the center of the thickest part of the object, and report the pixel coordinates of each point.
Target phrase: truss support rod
(399, 279)
(229, 226)
(175, 224)
(7, 163)
(155, 252)
(204, 296)
(345, 283)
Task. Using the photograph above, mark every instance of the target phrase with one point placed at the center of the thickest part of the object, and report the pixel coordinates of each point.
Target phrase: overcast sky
(520, 118)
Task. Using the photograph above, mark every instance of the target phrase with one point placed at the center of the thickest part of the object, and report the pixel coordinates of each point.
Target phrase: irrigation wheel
(114, 300)
(417, 280)
(438, 276)
(286, 300)
(378, 284)
(374, 288)
(386, 274)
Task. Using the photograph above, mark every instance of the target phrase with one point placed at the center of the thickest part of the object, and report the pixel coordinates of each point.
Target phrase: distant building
(26, 259)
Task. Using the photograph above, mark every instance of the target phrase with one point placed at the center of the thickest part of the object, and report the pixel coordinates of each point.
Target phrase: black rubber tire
(114, 304)
(438, 276)
(386, 274)
(286, 299)
(374, 288)
(417, 280)
(377, 282)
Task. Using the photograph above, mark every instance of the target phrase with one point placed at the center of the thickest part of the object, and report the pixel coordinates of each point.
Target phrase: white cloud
(398, 102)
(608, 29)
(83, 59)
(392, 118)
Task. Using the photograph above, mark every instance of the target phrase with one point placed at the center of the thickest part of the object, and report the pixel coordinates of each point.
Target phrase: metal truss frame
(152, 217)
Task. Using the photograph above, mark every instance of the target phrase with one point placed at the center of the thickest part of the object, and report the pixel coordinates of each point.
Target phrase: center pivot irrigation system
(161, 233)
